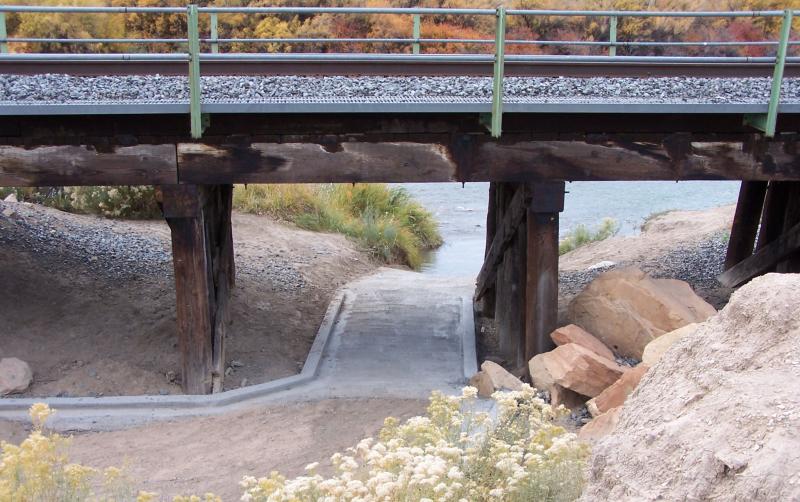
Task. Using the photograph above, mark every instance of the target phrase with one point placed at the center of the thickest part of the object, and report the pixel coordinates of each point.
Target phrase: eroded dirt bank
(89, 303)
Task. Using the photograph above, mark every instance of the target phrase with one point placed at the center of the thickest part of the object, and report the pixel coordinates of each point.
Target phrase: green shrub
(581, 235)
(113, 202)
(386, 221)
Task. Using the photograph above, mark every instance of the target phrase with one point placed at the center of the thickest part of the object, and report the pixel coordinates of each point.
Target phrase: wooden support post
(510, 290)
(488, 302)
(790, 219)
(199, 217)
(773, 214)
(541, 292)
(745, 222)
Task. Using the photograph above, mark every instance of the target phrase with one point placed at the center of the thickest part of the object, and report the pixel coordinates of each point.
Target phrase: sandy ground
(89, 329)
(213, 453)
(661, 234)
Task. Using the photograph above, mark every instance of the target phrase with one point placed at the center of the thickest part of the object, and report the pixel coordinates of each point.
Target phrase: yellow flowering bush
(454, 453)
(39, 470)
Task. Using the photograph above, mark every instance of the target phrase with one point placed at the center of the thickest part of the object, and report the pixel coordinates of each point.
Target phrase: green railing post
(214, 33)
(3, 33)
(612, 35)
(497, 82)
(768, 122)
(416, 34)
(194, 71)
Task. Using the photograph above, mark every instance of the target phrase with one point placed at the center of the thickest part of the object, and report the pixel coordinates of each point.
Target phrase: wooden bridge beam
(199, 217)
(745, 222)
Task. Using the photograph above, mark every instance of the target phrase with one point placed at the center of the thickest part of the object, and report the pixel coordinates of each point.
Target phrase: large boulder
(617, 392)
(581, 370)
(626, 309)
(15, 376)
(543, 380)
(717, 417)
(655, 349)
(572, 333)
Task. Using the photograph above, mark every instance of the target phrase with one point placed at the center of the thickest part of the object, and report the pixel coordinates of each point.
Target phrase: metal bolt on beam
(612, 35)
(194, 72)
(497, 82)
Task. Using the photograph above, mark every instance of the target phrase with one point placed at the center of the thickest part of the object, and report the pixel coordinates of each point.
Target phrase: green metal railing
(194, 43)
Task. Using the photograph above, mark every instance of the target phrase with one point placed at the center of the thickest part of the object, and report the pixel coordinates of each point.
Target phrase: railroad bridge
(195, 121)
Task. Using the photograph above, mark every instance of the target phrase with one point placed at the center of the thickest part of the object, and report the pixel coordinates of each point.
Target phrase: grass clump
(386, 221)
(452, 453)
(582, 235)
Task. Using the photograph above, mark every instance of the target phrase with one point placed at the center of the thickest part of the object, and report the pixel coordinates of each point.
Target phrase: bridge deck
(154, 94)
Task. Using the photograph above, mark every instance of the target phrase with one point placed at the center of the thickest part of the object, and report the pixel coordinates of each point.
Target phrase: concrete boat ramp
(393, 333)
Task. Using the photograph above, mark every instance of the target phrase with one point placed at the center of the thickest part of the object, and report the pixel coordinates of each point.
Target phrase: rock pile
(622, 316)
(718, 414)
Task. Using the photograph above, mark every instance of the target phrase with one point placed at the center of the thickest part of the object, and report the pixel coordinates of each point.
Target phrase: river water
(461, 212)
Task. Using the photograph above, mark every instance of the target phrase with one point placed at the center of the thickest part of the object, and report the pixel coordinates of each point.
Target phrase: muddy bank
(89, 303)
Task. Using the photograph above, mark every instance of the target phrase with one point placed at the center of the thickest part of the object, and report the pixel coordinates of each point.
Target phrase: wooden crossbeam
(504, 234)
(763, 260)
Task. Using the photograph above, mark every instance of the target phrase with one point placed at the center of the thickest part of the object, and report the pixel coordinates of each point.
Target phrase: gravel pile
(698, 264)
(53, 88)
(112, 249)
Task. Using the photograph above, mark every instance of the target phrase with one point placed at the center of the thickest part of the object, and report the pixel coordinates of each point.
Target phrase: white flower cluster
(454, 453)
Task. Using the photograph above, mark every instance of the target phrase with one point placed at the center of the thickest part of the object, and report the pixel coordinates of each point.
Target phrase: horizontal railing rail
(194, 43)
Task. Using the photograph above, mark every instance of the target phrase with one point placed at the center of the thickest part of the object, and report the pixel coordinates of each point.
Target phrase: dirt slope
(718, 418)
(89, 303)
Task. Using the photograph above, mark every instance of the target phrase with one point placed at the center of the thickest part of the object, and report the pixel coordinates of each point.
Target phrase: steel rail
(218, 65)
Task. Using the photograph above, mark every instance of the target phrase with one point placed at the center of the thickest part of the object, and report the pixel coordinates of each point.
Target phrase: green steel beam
(416, 35)
(214, 33)
(612, 35)
(768, 122)
(497, 82)
(3, 33)
(194, 72)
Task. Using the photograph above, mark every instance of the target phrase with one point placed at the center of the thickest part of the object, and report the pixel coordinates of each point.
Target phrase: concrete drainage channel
(317, 380)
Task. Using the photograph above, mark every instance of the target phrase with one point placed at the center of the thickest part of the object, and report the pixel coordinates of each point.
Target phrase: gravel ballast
(65, 89)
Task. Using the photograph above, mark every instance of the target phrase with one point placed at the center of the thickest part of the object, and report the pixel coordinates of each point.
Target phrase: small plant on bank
(454, 453)
(385, 220)
(582, 235)
(134, 202)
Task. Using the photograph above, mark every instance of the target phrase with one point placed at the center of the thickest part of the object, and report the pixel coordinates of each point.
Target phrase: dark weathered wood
(764, 259)
(773, 214)
(200, 221)
(79, 165)
(541, 296)
(312, 163)
(745, 222)
(791, 218)
(488, 302)
(513, 217)
(510, 323)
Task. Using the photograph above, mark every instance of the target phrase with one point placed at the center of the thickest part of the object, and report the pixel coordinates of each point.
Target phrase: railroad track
(389, 65)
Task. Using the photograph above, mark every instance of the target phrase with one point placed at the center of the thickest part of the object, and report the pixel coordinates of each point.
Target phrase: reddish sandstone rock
(581, 370)
(601, 426)
(615, 395)
(626, 309)
(572, 333)
(655, 349)
(543, 380)
(501, 379)
(483, 383)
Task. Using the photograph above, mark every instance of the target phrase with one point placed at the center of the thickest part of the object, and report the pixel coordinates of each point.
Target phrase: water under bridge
(199, 119)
